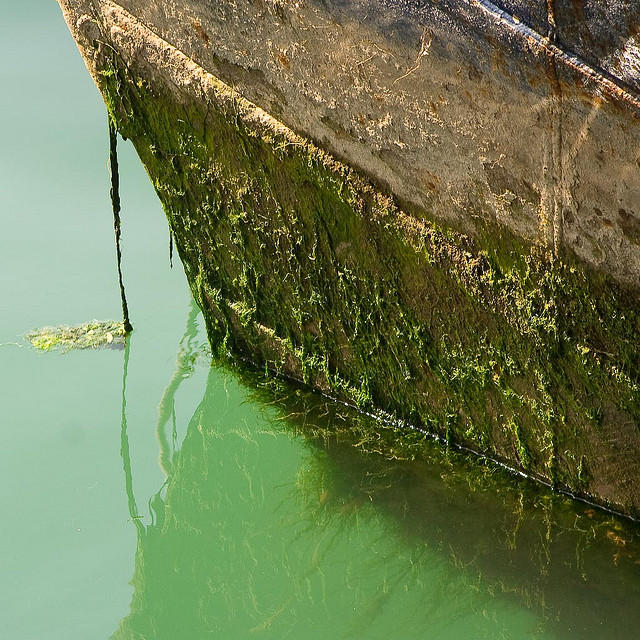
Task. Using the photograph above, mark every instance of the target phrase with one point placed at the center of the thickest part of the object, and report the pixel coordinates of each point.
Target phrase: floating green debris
(92, 335)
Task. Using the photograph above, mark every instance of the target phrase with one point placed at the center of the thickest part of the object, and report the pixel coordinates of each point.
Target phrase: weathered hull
(477, 277)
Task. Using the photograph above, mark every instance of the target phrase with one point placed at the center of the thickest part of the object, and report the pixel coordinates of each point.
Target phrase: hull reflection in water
(273, 524)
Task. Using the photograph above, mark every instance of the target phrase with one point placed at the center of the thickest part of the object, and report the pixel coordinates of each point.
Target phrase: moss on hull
(305, 267)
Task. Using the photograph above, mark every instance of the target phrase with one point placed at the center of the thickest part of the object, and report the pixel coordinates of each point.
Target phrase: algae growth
(91, 335)
(306, 268)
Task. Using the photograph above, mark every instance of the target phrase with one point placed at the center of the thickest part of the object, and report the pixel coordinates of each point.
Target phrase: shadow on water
(287, 515)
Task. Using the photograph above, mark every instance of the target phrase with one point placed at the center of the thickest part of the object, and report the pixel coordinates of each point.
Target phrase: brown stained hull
(458, 107)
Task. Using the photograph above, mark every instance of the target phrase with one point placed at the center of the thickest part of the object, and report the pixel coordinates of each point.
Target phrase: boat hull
(401, 213)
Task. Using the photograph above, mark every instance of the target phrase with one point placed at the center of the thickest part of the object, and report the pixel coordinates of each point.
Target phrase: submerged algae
(305, 267)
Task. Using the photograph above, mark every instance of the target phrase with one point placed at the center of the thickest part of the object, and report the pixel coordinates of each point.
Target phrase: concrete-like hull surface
(458, 107)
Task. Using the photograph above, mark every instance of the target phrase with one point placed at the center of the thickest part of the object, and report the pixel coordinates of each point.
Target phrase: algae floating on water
(91, 335)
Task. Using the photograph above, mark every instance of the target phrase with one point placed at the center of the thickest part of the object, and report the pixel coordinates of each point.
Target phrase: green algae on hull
(91, 335)
(305, 267)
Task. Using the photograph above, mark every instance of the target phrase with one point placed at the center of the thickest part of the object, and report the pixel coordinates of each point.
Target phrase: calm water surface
(146, 494)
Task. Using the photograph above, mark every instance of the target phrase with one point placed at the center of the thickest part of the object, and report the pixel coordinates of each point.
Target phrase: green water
(146, 494)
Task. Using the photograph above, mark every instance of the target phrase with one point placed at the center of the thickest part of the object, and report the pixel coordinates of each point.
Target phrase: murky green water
(147, 495)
